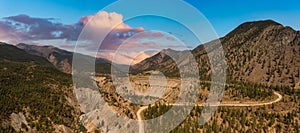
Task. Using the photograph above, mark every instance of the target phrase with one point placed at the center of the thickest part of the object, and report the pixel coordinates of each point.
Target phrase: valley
(261, 93)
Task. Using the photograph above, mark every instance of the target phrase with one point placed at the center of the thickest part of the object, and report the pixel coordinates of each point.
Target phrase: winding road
(141, 123)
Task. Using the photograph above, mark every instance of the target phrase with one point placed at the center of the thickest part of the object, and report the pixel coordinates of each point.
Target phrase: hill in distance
(62, 59)
(12, 53)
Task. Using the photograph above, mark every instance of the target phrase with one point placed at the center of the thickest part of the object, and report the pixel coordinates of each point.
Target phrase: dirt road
(141, 123)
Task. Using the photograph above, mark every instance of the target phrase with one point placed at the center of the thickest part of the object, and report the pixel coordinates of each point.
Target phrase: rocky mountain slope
(261, 52)
(62, 59)
(12, 53)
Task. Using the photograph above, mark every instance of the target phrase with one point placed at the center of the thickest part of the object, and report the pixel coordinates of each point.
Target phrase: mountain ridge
(248, 49)
(62, 59)
(12, 53)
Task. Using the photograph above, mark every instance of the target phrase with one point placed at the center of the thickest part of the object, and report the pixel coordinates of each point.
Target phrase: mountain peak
(257, 25)
(168, 50)
(262, 22)
(28, 46)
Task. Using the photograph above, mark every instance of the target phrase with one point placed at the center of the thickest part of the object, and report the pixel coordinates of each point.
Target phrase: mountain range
(62, 59)
(36, 80)
(263, 52)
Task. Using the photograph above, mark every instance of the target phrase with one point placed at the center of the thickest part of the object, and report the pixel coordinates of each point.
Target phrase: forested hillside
(35, 96)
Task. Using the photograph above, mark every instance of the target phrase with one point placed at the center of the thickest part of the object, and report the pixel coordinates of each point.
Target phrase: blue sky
(224, 15)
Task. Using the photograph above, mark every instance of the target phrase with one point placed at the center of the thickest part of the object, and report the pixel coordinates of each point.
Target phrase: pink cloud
(26, 29)
(105, 20)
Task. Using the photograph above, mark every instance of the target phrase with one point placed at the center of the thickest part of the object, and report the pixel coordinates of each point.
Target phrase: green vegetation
(247, 90)
(36, 91)
(12, 53)
(278, 117)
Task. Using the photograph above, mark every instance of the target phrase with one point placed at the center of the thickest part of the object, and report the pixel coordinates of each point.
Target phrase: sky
(60, 22)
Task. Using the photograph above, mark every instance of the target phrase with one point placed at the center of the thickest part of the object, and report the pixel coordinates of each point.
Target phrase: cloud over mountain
(109, 25)
(27, 28)
(23, 27)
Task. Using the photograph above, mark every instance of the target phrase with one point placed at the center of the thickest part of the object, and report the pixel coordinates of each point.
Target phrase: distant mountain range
(12, 53)
(261, 52)
(61, 59)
